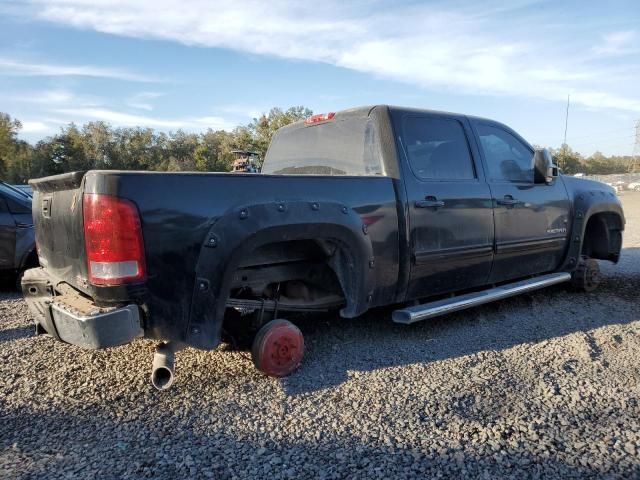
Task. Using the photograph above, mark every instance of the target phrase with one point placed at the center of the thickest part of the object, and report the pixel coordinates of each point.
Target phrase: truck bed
(177, 213)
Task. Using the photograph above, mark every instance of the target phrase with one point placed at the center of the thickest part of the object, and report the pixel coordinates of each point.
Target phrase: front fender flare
(588, 203)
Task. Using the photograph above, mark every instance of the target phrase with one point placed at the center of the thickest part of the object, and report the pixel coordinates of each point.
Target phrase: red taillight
(320, 117)
(369, 220)
(113, 240)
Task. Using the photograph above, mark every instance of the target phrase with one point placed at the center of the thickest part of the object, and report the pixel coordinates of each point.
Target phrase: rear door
(7, 236)
(449, 204)
(16, 226)
(530, 219)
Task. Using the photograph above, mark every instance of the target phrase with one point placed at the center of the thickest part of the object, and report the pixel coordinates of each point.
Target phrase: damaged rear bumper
(69, 316)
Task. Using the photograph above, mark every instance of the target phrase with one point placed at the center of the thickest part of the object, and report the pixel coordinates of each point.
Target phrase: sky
(199, 64)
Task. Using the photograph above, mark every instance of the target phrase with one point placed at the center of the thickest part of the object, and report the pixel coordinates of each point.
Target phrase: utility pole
(566, 121)
(635, 159)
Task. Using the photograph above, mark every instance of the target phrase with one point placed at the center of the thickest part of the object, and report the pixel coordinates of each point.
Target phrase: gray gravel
(540, 386)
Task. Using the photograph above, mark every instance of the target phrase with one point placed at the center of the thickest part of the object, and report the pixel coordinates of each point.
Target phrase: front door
(449, 205)
(531, 220)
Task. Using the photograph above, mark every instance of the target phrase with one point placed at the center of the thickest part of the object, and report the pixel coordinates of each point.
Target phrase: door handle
(508, 201)
(429, 202)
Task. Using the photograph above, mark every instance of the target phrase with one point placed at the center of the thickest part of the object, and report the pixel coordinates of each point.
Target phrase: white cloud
(49, 97)
(595, 99)
(243, 111)
(12, 67)
(35, 127)
(141, 106)
(618, 43)
(143, 100)
(55, 97)
(123, 119)
(471, 50)
(60, 107)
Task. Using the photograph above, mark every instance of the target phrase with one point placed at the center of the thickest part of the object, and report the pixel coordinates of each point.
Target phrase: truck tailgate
(57, 216)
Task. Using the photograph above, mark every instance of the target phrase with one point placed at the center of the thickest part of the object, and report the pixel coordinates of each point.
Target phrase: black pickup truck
(431, 212)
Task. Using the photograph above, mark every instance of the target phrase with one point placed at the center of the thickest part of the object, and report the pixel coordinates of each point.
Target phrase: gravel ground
(540, 386)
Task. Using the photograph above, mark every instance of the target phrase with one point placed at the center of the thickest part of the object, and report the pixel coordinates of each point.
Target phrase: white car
(635, 186)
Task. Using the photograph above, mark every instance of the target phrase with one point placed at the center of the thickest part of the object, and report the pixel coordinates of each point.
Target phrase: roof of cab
(365, 111)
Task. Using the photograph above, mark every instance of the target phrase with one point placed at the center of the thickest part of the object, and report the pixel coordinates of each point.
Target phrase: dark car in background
(17, 238)
(26, 189)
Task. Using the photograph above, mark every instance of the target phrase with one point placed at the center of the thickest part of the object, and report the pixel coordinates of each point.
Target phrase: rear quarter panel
(178, 209)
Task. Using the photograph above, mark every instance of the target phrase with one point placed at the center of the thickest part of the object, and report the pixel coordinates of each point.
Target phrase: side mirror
(544, 170)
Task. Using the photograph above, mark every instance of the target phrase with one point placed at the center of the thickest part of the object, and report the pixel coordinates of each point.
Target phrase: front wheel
(278, 348)
(586, 277)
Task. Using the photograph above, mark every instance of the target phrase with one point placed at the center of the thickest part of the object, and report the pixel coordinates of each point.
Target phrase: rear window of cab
(338, 146)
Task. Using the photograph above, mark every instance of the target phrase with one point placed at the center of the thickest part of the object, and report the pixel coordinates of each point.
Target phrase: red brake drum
(278, 348)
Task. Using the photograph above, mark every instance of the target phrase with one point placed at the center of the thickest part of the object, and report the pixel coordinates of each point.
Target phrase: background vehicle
(17, 242)
(25, 189)
(245, 161)
(363, 208)
(616, 188)
(635, 186)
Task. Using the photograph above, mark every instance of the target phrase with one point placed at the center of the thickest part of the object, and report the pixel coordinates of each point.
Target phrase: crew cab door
(449, 204)
(531, 220)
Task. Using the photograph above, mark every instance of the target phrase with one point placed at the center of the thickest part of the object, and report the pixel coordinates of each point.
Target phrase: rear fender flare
(241, 230)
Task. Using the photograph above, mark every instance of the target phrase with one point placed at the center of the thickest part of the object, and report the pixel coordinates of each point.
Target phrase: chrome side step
(448, 305)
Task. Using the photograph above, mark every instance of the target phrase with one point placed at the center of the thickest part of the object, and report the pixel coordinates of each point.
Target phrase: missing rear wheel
(278, 348)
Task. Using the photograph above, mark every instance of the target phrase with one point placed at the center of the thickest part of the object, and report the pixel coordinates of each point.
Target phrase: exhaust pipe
(162, 367)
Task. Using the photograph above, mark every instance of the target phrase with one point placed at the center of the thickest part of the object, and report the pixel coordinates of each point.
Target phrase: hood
(580, 183)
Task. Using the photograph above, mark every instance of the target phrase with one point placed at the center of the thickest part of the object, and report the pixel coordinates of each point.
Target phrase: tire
(636, 188)
(586, 277)
(278, 348)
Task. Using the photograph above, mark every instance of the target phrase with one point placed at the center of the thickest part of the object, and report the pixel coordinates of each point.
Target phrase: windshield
(346, 146)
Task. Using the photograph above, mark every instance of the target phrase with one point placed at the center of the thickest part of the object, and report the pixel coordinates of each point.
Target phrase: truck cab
(476, 214)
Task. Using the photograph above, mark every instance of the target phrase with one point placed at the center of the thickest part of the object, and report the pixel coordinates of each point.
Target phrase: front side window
(437, 148)
(508, 158)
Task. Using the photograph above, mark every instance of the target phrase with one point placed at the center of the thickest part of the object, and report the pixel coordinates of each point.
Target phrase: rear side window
(508, 158)
(347, 146)
(437, 148)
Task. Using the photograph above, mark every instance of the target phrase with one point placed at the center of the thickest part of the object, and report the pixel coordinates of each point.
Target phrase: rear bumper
(73, 318)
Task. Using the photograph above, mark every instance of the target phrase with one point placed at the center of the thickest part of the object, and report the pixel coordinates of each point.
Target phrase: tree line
(98, 145)
(572, 162)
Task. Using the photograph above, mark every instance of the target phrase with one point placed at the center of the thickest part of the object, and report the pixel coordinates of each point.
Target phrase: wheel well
(295, 276)
(298, 269)
(603, 237)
